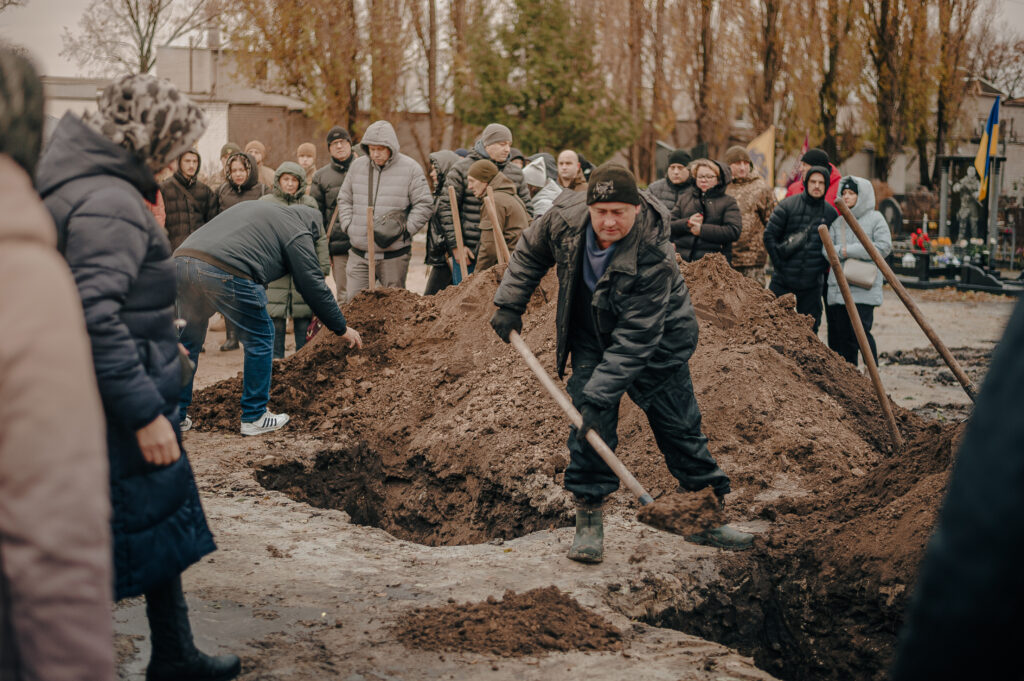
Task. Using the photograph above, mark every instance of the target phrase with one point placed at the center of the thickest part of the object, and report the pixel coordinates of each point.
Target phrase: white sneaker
(185, 425)
(267, 423)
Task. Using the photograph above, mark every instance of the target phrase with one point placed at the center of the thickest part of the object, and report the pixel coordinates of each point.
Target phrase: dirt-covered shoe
(265, 424)
(588, 544)
(724, 537)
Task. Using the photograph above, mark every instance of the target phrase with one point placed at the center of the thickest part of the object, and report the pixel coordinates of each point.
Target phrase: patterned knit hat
(148, 116)
(612, 183)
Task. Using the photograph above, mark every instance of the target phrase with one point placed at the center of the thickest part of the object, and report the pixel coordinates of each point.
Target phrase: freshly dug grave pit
(533, 623)
(404, 498)
(798, 430)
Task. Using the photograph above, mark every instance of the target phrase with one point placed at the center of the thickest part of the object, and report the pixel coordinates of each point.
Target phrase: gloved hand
(591, 418)
(505, 321)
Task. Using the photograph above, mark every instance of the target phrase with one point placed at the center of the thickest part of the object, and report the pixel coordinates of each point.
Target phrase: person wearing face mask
(283, 299)
(705, 219)
(677, 178)
(495, 145)
(756, 203)
(791, 239)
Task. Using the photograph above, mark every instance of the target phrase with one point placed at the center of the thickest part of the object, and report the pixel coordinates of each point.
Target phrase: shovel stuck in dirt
(684, 514)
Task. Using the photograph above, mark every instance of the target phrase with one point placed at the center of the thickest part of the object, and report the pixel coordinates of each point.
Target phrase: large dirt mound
(535, 622)
(458, 436)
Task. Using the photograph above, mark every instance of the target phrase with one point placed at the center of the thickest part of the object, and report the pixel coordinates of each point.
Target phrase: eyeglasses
(707, 177)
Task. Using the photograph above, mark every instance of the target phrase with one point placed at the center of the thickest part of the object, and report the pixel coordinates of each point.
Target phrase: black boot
(232, 340)
(175, 657)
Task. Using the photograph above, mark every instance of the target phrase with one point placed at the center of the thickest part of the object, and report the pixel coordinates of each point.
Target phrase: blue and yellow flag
(987, 149)
(762, 153)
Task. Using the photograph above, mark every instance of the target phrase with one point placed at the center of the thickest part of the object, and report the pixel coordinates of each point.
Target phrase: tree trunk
(436, 127)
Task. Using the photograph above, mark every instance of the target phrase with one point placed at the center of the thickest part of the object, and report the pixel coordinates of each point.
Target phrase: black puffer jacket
(641, 305)
(324, 189)
(722, 224)
(229, 194)
(791, 239)
(121, 262)
(470, 207)
(189, 203)
(668, 192)
(437, 246)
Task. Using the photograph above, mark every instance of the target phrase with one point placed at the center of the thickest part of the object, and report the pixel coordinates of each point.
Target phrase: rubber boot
(588, 544)
(723, 536)
(232, 340)
(175, 657)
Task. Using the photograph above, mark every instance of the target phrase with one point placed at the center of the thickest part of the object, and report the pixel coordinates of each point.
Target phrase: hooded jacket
(642, 309)
(722, 220)
(470, 207)
(547, 195)
(796, 188)
(229, 194)
(512, 217)
(54, 499)
(756, 202)
(874, 225)
(121, 262)
(791, 239)
(189, 204)
(324, 189)
(399, 185)
(437, 246)
(283, 299)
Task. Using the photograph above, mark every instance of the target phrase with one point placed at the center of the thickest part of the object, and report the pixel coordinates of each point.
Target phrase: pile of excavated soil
(683, 513)
(532, 623)
(462, 445)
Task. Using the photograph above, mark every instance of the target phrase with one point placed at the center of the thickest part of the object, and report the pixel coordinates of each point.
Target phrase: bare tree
(4, 4)
(122, 35)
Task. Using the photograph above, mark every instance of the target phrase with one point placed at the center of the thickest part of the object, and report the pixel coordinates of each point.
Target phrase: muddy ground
(426, 471)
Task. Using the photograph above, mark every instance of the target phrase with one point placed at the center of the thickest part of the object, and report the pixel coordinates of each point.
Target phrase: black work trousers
(844, 339)
(672, 411)
(808, 300)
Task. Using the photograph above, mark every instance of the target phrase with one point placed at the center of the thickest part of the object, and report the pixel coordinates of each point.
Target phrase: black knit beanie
(851, 184)
(816, 157)
(338, 133)
(680, 157)
(21, 110)
(612, 183)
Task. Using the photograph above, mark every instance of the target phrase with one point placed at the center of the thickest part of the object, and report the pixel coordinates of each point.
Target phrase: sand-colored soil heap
(459, 444)
(533, 623)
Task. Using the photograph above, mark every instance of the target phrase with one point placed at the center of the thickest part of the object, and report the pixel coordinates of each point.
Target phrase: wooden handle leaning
(968, 385)
(862, 339)
(499, 235)
(372, 263)
(457, 224)
(603, 450)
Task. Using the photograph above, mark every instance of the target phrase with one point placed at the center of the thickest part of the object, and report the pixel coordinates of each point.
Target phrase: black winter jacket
(229, 194)
(189, 204)
(470, 206)
(324, 189)
(121, 262)
(722, 224)
(437, 245)
(641, 305)
(791, 239)
(668, 192)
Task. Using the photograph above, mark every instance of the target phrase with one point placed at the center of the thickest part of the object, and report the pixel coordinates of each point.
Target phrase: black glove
(591, 418)
(505, 321)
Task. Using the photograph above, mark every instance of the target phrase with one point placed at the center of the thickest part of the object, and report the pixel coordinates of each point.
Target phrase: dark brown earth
(535, 622)
(456, 443)
(683, 513)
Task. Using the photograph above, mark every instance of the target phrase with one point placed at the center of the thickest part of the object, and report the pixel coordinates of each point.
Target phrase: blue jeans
(204, 289)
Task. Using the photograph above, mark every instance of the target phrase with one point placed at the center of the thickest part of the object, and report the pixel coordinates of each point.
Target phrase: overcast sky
(39, 26)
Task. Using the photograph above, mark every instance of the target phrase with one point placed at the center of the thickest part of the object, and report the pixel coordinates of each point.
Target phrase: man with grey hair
(495, 145)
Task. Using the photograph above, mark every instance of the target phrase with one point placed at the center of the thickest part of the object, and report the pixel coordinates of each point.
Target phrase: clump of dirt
(683, 513)
(450, 419)
(533, 623)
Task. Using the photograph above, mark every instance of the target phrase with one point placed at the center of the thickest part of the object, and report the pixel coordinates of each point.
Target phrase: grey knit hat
(494, 133)
(148, 116)
(21, 110)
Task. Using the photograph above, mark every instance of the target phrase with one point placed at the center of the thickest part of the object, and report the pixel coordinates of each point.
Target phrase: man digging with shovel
(625, 317)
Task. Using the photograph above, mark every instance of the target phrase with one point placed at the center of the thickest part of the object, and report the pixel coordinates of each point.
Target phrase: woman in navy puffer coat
(93, 178)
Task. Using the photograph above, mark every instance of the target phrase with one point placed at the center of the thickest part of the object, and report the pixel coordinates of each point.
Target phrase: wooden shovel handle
(457, 224)
(499, 235)
(372, 263)
(603, 450)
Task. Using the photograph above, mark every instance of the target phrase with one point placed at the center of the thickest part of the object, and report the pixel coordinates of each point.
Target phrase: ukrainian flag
(987, 149)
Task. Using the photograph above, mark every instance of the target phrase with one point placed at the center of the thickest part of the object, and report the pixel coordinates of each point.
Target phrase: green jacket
(283, 299)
